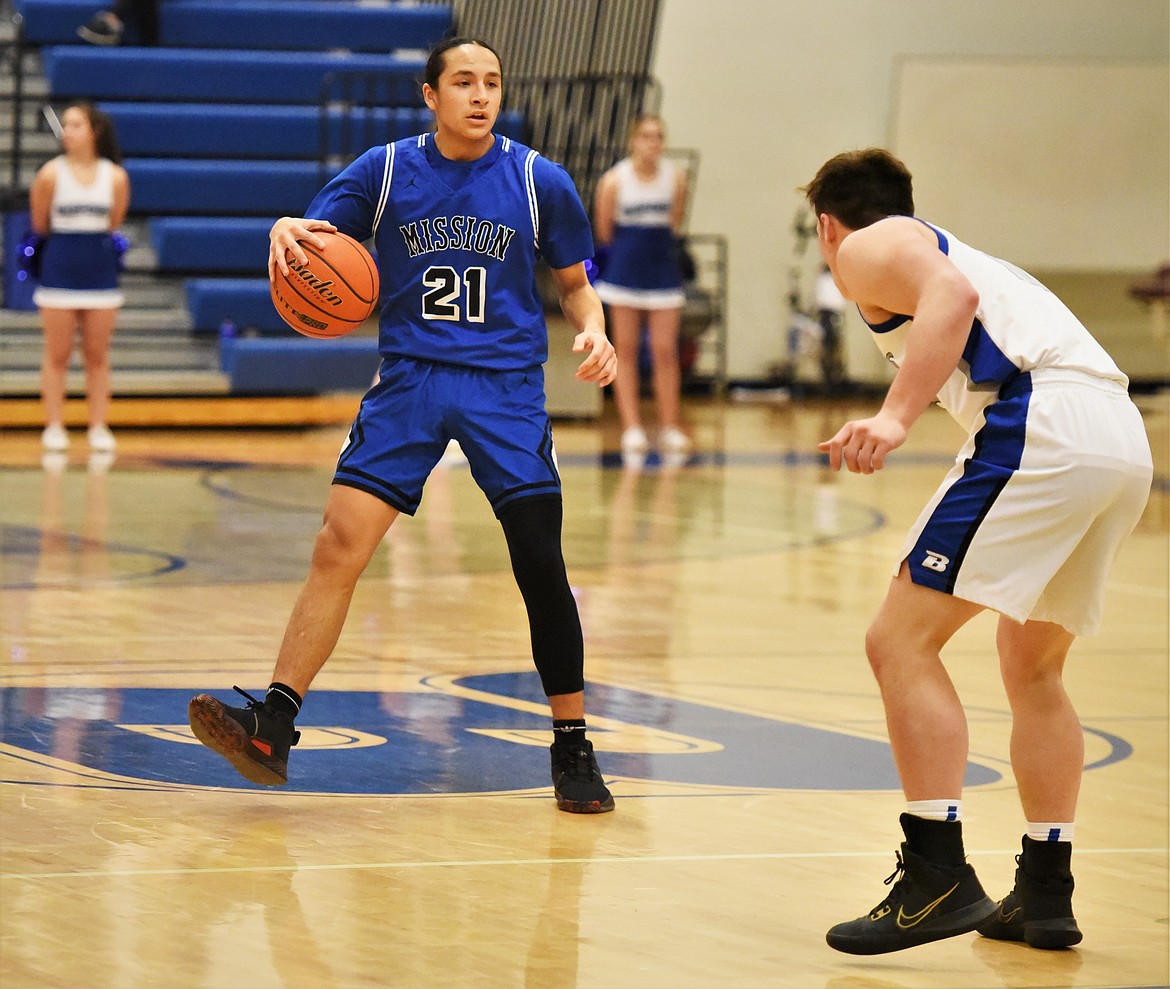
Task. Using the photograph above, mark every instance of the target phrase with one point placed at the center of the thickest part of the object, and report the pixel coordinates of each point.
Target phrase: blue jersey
(457, 244)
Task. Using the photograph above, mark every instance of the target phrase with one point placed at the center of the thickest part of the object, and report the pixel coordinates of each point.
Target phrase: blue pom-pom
(28, 255)
(121, 246)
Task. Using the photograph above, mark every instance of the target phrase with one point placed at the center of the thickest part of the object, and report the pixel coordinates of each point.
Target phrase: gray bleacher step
(145, 337)
(126, 359)
(125, 382)
(131, 320)
(162, 362)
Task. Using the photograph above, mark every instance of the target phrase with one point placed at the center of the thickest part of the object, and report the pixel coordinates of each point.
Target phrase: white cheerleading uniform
(79, 267)
(1056, 469)
(642, 267)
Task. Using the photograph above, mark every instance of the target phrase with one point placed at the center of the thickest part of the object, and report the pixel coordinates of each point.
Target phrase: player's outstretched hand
(283, 237)
(601, 364)
(862, 444)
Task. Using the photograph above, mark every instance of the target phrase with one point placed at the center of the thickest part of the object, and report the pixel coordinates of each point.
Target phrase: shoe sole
(584, 806)
(221, 733)
(1051, 935)
(953, 924)
(1048, 935)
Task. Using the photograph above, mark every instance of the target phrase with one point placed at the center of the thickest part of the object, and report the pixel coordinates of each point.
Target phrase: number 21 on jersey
(452, 297)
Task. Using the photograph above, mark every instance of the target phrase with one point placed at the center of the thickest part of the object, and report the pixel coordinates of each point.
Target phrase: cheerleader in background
(76, 203)
(638, 214)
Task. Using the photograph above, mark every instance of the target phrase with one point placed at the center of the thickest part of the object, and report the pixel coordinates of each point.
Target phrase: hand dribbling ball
(333, 294)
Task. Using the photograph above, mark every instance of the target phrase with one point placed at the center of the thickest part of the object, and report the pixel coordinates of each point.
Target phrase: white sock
(936, 810)
(1048, 831)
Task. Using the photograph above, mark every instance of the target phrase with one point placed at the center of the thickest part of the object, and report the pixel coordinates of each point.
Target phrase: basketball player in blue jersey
(1053, 476)
(458, 218)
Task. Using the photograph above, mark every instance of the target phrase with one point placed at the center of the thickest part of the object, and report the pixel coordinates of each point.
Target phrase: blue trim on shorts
(937, 557)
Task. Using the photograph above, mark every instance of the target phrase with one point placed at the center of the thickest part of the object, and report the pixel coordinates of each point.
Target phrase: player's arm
(40, 198)
(891, 266)
(678, 204)
(348, 198)
(285, 234)
(605, 208)
(582, 308)
(121, 203)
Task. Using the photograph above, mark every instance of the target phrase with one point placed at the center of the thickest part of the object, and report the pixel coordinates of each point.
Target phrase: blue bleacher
(213, 130)
(300, 366)
(189, 74)
(260, 25)
(211, 243)
(245, 301)
(305, 25)
(54, 22)
(221, 128)
(219, 188)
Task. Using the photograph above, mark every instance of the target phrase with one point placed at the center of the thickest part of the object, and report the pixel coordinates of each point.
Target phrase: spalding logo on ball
(331, 295)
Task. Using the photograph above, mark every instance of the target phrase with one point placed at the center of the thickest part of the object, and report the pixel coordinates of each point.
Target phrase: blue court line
(229, 494)
(18, 540)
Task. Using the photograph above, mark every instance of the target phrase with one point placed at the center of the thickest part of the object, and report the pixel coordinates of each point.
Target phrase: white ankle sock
(936, 810)
(1049, 831)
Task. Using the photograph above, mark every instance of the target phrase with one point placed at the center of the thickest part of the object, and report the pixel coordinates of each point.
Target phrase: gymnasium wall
(1064, 103)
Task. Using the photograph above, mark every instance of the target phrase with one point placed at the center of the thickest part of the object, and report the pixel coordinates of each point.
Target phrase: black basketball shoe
(928, 902)
(577, 782)
(1038, 910)
(254, 739)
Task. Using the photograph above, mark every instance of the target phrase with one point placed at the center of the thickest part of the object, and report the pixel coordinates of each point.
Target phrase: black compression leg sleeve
(532, 527)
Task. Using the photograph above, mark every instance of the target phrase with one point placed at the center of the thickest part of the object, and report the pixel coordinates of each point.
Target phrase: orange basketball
(333, 294)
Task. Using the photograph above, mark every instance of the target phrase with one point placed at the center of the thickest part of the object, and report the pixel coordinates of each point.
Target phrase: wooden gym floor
(417, 845)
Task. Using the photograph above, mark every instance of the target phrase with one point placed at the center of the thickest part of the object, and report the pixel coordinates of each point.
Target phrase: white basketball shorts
(1030, 519)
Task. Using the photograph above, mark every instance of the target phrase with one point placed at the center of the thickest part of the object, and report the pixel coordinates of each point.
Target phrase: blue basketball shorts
(416, 408)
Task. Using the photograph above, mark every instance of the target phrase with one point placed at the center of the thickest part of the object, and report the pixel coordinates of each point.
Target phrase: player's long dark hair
(437, 59)
(105, 136)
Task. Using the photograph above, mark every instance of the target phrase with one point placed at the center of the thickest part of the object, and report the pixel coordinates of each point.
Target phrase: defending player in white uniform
(1054, 474)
